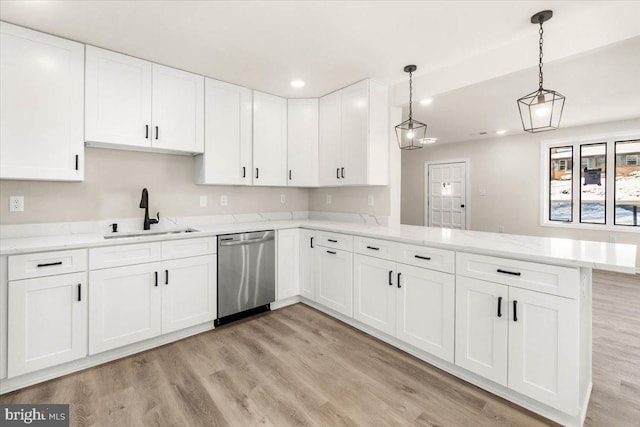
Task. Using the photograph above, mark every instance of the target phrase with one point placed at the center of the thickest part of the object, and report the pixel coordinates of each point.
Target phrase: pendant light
(541, 110)
(411, 133)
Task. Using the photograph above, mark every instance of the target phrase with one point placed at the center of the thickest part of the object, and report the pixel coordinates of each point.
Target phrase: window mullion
(611, 182)
(575, 196)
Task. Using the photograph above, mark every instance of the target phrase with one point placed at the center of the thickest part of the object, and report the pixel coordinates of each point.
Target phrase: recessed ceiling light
(297, 83)
(501, 132)
(428, 140)
(426, 101)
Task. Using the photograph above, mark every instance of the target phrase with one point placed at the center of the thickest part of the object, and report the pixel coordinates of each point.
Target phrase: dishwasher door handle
(245, 242)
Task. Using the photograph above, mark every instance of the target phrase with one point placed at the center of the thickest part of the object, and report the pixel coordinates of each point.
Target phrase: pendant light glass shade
(411, 134)
(541, 110)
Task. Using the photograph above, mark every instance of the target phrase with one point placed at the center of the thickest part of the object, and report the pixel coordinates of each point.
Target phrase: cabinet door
(117, 99)
(188, 292)
(47, 322)
(354, 133)
(308, 253)
(124, 307)
(374, 292)
(482, 328)
(334, 282)
(425, 310)
(177, 110)
(329, 142)
(269, 140)
(42, 104)
(302, 142)
(543, 348)
(288, 260)
(228, 120)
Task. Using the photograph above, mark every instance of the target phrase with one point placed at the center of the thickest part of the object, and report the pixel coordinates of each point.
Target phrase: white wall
(508, 168)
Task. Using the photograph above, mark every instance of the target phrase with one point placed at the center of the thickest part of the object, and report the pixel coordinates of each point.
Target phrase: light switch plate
(16, 203)
(203, 201)
(370, 200)
(328, 199)
(283, 198)
(223, 200)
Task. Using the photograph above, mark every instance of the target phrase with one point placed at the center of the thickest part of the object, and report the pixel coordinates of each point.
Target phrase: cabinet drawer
(334, 240)
(188, 247)
(46, 264)
(551, 279)
(116, 256)
(376, 248)
(421, 256)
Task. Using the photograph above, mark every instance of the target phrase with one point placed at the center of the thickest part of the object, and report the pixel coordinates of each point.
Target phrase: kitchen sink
(149, 233)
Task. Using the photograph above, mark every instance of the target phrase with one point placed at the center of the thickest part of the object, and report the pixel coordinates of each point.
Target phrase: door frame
(467, 183)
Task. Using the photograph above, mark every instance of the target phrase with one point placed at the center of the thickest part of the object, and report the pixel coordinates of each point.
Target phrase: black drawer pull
(515, 310)
(332, 241)
(331, 252)
(399, 285)
(513, 273)
(156, 274)
(76, 162)
(390, 279)
(311, 242)
(157, 132)
(50, 264)
(146, 131)
(342, 173)
(244, 172)
(338, 173)
(79, 292)
(257, 173)
(499, 306)
(289, 174)
(166, 277)
(373, 248)
(426, 258)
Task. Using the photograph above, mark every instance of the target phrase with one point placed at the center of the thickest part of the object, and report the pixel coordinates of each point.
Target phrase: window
(605, 193)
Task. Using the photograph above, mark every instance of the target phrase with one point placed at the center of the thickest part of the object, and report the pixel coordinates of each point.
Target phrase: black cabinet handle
(156, 274)
(426, 258)
(338, 173)
(462, 206)
(515, 310)
(244, 172)
(157, 132)
(311, 242)
(79, 292)
(513, 273)
(50, 264)
(373, 248)
(342, 173)
(146, 131)
(331, 252)
(390, 279)
(289, 174)
(166, 277)
(499, 306)
(257, 173)
(76, 162)
(332, 241)
(399, 285)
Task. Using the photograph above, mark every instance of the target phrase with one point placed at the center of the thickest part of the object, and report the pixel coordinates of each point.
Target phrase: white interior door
(446, 195)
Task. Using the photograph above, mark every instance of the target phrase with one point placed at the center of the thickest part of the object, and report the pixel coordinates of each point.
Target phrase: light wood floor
(297, 366)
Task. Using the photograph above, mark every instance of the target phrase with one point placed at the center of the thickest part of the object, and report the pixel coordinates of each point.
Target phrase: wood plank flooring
(297, 366)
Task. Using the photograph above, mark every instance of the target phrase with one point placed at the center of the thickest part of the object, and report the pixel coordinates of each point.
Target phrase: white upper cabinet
(302, 142)
(354, 136)
(227, 154)
(178, 110)
(135, 104)
(118, 94)
(41, 125)
(269, 140)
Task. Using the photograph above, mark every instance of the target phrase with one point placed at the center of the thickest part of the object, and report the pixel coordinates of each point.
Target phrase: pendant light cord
(540, 76)
(410, 96)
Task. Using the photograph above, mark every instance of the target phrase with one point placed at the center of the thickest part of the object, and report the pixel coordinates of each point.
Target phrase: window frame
(545, 168)
(606, 192)
(615, 159)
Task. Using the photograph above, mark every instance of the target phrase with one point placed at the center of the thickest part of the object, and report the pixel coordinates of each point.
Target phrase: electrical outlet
(223, 200)
(501, 229)
(16, 204)
(370, 200)
(483, 191)
(328, 199)
(203, 201)
(283, 198)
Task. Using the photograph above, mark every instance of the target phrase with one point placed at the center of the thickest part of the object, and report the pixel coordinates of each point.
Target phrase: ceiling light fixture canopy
(541, 110)
(411, 133)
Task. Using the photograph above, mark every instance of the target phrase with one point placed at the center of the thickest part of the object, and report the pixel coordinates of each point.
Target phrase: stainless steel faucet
(144, 204)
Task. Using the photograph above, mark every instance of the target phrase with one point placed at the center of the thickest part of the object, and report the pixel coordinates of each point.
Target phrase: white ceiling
(264, 45)
(599, 86)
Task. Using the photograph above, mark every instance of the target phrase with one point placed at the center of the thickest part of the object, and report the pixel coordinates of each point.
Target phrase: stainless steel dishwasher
(246, 274)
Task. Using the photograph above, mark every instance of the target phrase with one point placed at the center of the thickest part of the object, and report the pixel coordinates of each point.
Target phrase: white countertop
(566, 252)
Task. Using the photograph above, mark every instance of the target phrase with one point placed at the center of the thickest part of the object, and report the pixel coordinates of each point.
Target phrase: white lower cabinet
(188, 292)
(416, 305)
(334, 288)
(124, 306)
(522, 339)
(307, 271)
(47, 322)
(288, 277)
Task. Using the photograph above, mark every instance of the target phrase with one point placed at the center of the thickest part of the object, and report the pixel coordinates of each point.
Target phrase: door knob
(462, 206)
